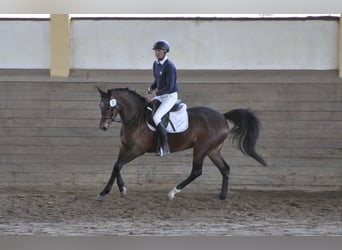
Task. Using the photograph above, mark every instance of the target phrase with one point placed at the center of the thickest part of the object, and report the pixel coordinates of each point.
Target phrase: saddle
(166, 119)
(175, 121)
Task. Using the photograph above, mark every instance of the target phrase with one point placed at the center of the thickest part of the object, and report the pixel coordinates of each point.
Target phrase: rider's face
(160, 54)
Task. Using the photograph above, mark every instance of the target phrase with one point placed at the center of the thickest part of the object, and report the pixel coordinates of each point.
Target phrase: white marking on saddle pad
(179, 120)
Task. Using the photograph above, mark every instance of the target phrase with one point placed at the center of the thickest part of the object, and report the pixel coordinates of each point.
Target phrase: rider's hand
(151, 94)
(149, 97)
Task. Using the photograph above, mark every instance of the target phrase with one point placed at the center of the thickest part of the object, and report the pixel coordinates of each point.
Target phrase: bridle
(114, 118)
(113, 107)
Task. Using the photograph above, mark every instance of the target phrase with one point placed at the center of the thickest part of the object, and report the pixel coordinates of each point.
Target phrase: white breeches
(167, 102)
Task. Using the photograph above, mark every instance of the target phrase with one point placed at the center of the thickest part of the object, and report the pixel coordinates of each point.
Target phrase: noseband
(114, 118)
(111, 109)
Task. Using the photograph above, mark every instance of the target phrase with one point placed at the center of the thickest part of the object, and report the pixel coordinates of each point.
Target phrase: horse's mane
(133, 92)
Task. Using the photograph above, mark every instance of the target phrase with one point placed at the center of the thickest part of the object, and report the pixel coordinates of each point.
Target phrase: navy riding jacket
(165, 78)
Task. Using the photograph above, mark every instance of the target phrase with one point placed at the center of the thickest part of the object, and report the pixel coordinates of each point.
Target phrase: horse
(206, 133)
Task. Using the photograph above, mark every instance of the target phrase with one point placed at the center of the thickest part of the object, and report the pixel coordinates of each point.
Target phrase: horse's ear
(102, 93)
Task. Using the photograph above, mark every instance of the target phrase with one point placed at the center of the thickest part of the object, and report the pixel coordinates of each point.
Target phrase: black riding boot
(164, 144)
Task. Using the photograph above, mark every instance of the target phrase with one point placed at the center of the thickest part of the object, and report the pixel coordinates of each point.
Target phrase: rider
(164, 89)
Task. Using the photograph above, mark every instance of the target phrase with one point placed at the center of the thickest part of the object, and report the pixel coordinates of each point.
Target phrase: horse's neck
(133, 110)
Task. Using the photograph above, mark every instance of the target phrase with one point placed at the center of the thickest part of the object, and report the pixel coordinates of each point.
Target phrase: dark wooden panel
(49, 129)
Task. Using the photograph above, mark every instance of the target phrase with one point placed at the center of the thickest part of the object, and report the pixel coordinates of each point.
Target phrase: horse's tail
(245, 132)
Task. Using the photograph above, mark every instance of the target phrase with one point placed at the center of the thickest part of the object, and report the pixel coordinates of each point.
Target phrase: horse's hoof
(223, 197)
(123, 193)
(171, 196)
(100, 197)
(173, 193)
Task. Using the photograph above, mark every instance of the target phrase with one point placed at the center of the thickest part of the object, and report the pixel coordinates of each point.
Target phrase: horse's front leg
(110, 183)
(120, 182)
(124, 157)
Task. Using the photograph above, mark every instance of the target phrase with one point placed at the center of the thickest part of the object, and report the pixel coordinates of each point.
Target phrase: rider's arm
(151, 94)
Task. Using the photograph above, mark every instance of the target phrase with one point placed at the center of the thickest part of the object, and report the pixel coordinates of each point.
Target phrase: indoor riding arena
(55, 160)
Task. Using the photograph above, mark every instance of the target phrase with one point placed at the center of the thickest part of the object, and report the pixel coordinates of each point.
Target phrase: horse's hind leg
(196, 171)
(224, 168)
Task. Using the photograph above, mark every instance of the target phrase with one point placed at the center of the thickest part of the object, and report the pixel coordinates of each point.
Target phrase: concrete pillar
(340, 48)
(60, 45)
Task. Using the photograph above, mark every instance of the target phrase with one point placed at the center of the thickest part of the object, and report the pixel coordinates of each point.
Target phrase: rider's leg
(167, 102)
(164, 144)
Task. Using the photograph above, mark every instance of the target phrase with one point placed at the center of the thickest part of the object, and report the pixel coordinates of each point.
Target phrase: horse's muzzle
(104, 125)
(103, 128)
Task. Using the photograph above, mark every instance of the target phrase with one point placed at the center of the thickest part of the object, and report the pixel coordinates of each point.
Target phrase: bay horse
(206, 134)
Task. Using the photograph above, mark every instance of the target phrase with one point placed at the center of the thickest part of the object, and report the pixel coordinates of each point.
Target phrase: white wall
(25, 44)
(205, 44)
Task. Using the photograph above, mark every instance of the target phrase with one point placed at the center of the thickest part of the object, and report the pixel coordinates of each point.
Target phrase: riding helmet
(161, 44)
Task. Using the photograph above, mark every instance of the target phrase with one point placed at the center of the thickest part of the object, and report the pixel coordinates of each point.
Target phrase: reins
(135, 117)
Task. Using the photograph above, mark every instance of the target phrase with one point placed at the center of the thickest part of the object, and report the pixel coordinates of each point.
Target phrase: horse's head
(108, 108)
(123, 101)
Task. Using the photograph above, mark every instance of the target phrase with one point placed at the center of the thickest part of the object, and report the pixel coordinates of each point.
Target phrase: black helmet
(162, 44)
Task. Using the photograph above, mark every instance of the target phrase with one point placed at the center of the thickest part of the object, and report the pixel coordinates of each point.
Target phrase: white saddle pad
(179, 120)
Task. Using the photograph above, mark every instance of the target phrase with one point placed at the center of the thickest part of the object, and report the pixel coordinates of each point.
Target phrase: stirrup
(161, 152)
(158, 152)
